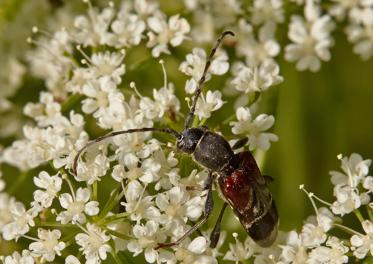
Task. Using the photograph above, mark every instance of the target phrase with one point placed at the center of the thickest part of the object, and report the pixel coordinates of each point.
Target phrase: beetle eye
(180, 144)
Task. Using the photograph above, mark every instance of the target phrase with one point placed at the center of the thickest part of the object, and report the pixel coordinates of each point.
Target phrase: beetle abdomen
(264, 231)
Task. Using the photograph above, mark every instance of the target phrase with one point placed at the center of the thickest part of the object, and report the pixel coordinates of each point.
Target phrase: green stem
(115, 257)
(370, 213)
(113, 218)
(347, 230)
(113, 200)
(54, 224)
(117, 234)
(94, 191)
(359, 215)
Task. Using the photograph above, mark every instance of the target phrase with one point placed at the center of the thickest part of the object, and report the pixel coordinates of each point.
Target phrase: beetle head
(189, 139)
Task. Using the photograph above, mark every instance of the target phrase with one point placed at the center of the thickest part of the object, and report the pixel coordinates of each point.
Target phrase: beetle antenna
(169, 131)
(189, 119)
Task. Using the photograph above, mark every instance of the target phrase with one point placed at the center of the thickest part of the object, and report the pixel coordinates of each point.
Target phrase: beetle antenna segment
(189, 119)
(169, 131)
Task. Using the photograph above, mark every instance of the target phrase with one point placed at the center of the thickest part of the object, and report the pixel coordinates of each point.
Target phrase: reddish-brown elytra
(241, 183)
(246, 191)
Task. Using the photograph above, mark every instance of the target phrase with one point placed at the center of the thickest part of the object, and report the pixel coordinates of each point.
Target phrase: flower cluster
(132, 192)
(85, 68)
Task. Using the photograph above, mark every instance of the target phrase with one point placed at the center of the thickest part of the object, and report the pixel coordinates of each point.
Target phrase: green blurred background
(318, 115)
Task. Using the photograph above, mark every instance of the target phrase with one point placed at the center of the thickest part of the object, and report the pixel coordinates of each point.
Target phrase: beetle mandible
(240, 181)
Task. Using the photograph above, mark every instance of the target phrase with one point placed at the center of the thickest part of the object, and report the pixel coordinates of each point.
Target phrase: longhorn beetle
(241, 184)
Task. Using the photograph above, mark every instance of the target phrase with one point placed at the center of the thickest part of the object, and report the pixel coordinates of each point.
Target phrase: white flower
(94, 29)
(128, 29)
(76, 206)
(57, 140)
(109, 64)
(48, 245)
(45, 112)
(164, 102)
(334, 252)
(208, 104)
(254, 129)
(6, 203)
(312, 235)
(195, 251)
(71, 260)
(145, 8)
(265, 11)
(80, 77)
(256, 49)
(360, 32)
(355, 171)
(51, 186)
(93, 243)
(256, 79)
(294, 251)
(138, 204)
(92, 170)
(343, 7)
(311, 38)
(17, 258)
(21, 222)
(146, 239)
(49, 62)
(98, 92)
(177, 205)
(348, 199)
(163, 32)
(325, 218)
(239, 251)
(195, 63)
(363, 244)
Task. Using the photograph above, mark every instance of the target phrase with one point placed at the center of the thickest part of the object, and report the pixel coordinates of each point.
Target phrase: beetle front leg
(209, 205)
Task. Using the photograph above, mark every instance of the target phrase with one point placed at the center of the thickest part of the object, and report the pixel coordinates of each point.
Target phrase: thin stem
(54, 224)
(359, 215)
(322, 201)
(117, 234)
(115, 257)
(370, 213)
(94, 191)
(31, 238)
(70, 186)
(310, 195)
(114, 217)
(347, 229)
(113, 200)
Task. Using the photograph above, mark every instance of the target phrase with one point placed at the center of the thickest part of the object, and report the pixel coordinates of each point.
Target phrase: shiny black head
(189, 139)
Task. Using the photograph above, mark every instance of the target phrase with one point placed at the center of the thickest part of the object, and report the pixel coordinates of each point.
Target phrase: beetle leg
(240, 143)
(209, 205)
(215, 234)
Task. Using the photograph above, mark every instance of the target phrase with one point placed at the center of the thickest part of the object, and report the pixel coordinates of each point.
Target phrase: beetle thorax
(208, 149)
